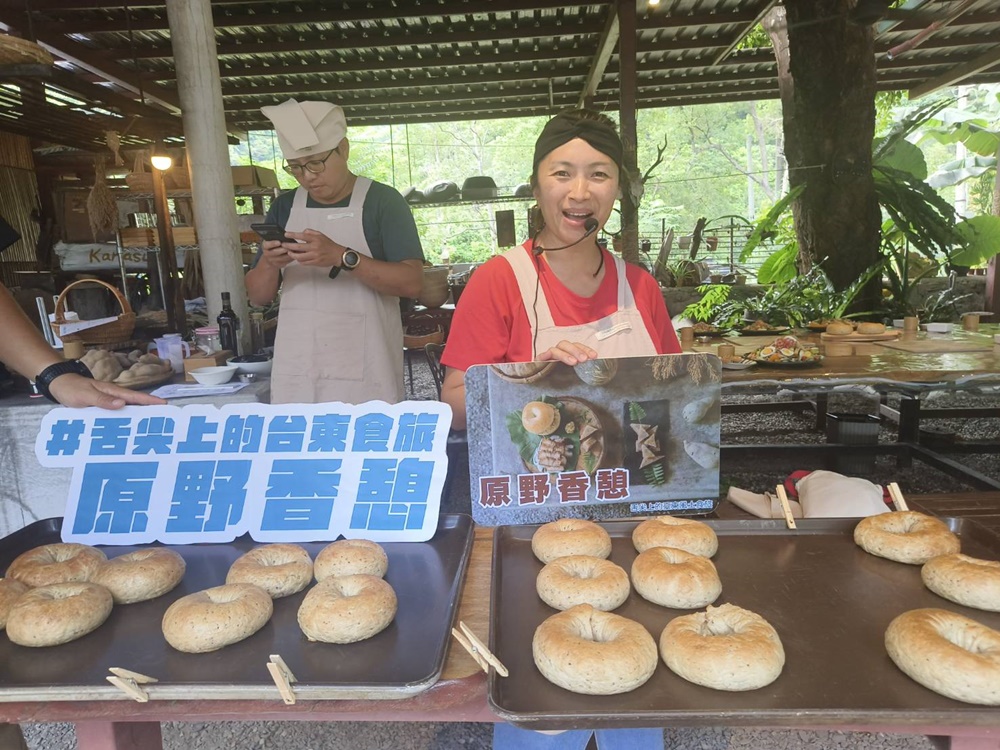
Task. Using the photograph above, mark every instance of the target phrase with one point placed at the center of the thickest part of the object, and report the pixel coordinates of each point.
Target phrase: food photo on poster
(609, 438)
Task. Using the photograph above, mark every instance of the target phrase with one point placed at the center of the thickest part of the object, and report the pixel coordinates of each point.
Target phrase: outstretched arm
(23, 349)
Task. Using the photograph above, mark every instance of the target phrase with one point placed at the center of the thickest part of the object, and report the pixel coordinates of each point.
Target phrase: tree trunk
(826, 76)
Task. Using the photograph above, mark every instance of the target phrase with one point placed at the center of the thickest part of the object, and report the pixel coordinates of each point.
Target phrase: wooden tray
(854, 338)
(939, 346)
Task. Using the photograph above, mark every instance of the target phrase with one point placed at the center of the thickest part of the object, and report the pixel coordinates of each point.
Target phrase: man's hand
(276, 254)
(569, 353)
(77, 391)
(315, 249)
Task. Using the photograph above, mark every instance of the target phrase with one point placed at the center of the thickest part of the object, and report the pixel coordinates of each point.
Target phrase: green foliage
(767, 225)
(712, 297)
(982, 240)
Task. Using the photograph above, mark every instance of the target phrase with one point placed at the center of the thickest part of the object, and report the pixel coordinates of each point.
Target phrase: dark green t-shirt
(386, 219)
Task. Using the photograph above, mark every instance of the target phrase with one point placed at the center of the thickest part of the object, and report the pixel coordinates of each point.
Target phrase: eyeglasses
(315, 166)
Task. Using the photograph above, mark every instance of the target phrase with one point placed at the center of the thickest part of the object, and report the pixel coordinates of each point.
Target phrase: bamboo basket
(107, 333)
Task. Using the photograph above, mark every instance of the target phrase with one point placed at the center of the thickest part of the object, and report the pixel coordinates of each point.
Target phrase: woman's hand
(77, 391)
(568, 352)
(315, 249)
(276, 254)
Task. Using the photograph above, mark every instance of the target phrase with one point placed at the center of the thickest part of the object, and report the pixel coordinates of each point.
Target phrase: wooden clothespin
(128, 682)
(478, 650)
(785, 507)
(897, 497)
(283, 678)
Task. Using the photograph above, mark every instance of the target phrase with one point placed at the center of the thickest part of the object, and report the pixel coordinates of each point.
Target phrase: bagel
(216, 617)
(568, 581)
(347, 609)
(279, 569)
(540, 418)
(675, 578)
(839, 329)
(947, 653)
(905, 536)
(680, 533)
(725, 648)
(56, 563)
(141, 575)
(870, 329)
(58, 613)
(964, 580)
(588, 651)
(350, 557)
(570, 536)
(10, 592)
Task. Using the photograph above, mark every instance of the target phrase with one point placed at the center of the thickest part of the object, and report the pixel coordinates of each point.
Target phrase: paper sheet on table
(180, 390)
(82, 325)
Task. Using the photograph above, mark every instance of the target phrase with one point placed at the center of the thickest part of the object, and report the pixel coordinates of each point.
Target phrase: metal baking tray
(404, 659)
(829, 601)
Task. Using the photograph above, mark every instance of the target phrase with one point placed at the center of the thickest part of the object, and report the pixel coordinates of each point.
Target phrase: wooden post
(173, 300)
(192, 36)
(627, 88)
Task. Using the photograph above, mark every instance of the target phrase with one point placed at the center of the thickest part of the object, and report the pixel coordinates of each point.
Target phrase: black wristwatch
(50, 373)
(351, 259)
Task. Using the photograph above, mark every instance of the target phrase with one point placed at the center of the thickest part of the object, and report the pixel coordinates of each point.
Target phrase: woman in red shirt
(560, 296)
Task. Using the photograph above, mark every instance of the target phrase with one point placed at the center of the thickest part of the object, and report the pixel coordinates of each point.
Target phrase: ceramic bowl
(214, 375)
(938, 327)
(259, 369)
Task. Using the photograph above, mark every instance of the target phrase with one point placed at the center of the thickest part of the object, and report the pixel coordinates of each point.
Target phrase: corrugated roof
(437, 60)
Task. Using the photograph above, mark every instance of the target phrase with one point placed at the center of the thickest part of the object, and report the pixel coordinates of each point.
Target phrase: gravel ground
(755, 428)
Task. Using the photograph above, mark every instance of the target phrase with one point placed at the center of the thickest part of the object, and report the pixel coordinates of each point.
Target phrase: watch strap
(45, 377)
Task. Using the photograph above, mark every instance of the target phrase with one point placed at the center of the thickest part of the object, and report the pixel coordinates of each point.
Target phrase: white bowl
(214, 375)
(897, 322)
(938, 327)
(255, 368)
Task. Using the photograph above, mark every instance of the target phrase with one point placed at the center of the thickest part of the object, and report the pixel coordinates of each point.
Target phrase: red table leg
(114, 735)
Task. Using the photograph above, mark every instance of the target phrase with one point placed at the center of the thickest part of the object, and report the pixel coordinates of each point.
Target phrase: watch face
(351, 259)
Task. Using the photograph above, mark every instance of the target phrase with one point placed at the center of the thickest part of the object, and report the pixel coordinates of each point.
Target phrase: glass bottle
(256, 332)
(229, 326)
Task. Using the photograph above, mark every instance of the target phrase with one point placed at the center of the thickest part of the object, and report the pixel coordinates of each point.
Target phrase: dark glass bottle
(229, 326)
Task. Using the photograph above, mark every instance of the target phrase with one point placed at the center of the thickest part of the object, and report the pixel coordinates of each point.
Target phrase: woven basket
(106, 333)
(419, 341)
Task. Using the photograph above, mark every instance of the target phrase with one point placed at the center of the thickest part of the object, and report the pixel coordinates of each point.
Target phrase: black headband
(560, 130)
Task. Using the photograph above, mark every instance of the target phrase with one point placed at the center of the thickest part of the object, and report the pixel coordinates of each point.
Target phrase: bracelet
(45, 377)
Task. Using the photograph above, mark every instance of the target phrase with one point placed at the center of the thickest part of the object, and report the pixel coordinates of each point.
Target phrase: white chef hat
(307, 128)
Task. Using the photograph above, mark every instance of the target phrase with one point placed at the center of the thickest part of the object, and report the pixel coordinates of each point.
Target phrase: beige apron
(337, 339)
(623, 333)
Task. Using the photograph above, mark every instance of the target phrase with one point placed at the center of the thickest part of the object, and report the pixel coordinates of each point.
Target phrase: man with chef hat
(353, 252)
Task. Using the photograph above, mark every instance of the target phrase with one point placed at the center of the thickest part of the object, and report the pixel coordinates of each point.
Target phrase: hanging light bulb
(159, 157)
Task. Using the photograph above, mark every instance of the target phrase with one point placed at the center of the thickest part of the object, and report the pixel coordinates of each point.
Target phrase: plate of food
(762, 328)
(823, 324)
(644, 449)
(557, 433)
(785, 351)
(522, 372)
(707, 329)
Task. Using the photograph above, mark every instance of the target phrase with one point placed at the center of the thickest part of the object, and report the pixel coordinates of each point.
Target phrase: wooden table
(459, 696)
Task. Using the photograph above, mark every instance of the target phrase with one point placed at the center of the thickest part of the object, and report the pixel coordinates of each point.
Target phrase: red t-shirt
(491, 323)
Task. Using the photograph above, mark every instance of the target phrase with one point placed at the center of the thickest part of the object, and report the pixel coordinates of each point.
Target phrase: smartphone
(271, 232)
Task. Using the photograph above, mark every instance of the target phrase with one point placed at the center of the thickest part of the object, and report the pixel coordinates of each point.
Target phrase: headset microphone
(590, 225)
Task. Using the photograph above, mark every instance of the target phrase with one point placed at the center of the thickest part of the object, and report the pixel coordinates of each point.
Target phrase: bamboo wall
(18, 198)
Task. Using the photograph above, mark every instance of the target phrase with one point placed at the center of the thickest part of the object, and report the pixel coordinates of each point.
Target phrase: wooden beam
(27, 70)
(958, 73)
(746, 30)
(86, 58)
(631, 181)
(605, 48)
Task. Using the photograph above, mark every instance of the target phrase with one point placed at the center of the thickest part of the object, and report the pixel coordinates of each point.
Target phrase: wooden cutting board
(854, 338)
(937, 346)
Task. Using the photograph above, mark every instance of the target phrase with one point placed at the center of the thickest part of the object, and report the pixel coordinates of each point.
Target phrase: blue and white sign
(282, 473)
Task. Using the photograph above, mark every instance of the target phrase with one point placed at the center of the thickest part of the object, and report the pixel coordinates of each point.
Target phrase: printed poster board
(282, 473)
(610, 438)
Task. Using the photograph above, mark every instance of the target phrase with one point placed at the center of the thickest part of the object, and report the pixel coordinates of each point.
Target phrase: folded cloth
(762, 506)
(826, 494)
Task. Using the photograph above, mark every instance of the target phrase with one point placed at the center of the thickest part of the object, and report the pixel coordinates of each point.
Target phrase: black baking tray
(829, 601)
(404, 659)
